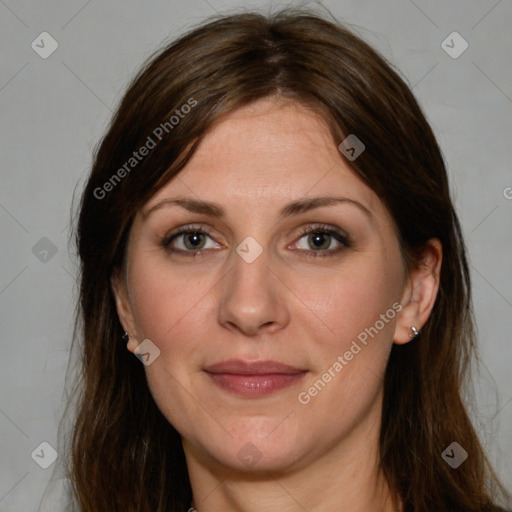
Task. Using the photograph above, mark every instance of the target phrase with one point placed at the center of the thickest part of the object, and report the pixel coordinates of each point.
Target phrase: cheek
(354, 299)
(166, 306)
(171, 307)
(359, 304)
(162, 298)
(350, 361)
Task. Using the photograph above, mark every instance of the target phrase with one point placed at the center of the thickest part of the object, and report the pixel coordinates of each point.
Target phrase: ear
(124, 310)
(420, 292)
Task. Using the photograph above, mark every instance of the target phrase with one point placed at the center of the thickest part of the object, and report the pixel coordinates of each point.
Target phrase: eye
(320, 240)
(189, 239)
(316, 240)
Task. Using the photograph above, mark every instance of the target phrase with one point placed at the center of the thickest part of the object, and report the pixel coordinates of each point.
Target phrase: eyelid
(339, 235)
(326, 228)
(166, 240)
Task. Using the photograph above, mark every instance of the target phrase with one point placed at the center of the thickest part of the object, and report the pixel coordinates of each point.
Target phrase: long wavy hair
(123, 453)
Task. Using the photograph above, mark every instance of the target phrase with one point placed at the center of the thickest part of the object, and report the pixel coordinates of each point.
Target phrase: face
(269, 277)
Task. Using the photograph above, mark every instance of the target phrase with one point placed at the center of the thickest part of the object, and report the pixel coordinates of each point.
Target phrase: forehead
(265, 154)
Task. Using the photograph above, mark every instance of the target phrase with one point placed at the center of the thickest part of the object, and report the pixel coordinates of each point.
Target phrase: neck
(346, 478)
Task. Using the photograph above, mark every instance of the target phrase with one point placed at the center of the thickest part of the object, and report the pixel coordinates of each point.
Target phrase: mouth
(253, 379)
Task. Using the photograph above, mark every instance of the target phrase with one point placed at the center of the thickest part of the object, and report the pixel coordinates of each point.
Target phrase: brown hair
(125, 456)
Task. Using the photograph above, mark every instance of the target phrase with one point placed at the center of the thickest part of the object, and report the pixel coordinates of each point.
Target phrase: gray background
(54, 110)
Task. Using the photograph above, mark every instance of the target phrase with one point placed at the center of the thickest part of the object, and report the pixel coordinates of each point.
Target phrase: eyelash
(339, 236)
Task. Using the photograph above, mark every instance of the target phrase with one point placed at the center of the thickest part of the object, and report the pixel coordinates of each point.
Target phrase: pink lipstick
(253, 379)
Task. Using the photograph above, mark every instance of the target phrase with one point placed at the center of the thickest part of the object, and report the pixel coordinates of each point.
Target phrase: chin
(262, 445)
(254, 459)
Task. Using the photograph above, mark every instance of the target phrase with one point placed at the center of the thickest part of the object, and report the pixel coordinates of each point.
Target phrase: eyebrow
(293, 208)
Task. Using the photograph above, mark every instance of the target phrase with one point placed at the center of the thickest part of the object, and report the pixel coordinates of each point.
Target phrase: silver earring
(125, 337)
(414, 332)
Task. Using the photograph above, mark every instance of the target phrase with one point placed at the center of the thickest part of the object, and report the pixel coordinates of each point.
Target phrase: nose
(253, 300)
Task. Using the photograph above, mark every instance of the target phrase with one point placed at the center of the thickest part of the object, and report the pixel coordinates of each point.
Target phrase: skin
(285, 306)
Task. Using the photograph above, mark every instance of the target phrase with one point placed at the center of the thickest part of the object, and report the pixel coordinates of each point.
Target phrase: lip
(253, 379)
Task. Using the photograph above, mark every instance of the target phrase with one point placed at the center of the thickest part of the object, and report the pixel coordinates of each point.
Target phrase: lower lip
(255, 385)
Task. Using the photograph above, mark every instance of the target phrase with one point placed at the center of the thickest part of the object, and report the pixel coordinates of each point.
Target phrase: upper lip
(240, 367)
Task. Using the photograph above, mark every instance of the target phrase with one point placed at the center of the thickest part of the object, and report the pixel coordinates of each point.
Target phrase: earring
(125, 337)
(414, 332)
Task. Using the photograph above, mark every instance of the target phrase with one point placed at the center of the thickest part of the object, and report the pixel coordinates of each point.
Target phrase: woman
(268, 228)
